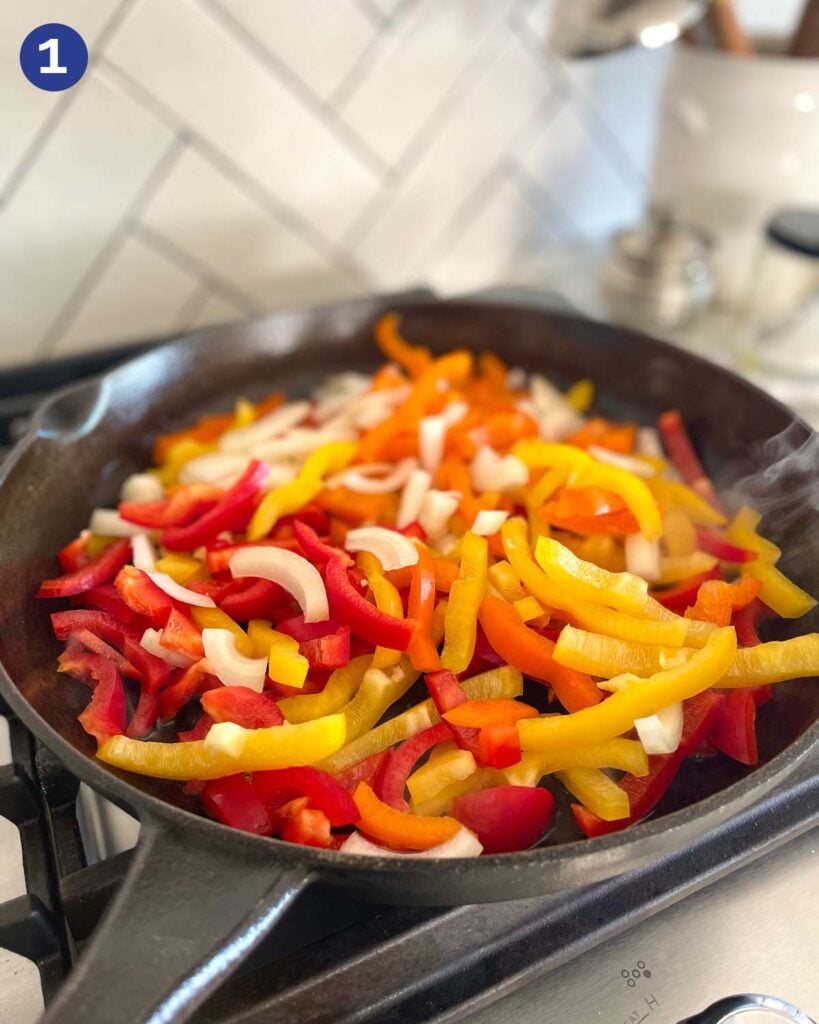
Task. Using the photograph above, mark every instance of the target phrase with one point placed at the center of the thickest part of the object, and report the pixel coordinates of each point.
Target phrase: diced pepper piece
(232, 801)
(498, 745)
(506, 818)
(398, 829)
(243, 706)
(100, 570)
(308, 827)
(465, 596)
(596, 791)
(323, 791)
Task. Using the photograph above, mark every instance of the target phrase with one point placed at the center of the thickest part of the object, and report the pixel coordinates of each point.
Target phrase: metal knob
(750, 1009)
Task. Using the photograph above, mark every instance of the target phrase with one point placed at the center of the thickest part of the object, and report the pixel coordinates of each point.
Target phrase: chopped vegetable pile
(264, 596)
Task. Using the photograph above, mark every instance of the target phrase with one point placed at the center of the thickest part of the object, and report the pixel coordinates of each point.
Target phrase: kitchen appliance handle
(180, 924)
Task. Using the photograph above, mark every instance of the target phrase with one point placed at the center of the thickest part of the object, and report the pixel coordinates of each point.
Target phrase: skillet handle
(183, 920)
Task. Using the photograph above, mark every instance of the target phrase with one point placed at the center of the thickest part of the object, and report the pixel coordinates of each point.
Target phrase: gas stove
(730, 924)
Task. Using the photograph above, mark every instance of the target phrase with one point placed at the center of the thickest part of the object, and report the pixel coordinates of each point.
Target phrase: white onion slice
(180, 593)
(228, 665)
(635, 466)
(291, 571)
(432, 434)
(492, 472)
(345, 384)
(436, 511)
(516, 378)
(141, 487)
(214, 468)
(375, 478)
(412, 497)
(151, 642)
(661, 733)
(488, 521)
(392, 549)
(463, 844)
(300, 442)
(225, 738)
(274, 424)
(642, 557)
(556, 419)
(107, 522)
(143, 553)
(648, 443)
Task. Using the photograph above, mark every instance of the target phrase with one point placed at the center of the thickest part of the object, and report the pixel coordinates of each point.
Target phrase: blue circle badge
(53, 57)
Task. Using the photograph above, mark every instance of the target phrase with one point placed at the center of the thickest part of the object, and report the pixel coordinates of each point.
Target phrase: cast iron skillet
(199, 896)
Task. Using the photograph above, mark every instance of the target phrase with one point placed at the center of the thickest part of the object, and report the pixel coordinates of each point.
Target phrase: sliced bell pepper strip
(393, 777)
(182, 569)
(590, 510)
(282, 746)
(745, 620)
(722, 549)
(616, 437)
(323, 791)
(144, 716)
(774, 662)
(327, 653)
(143, 596)
(505, 818)
(645, 793)
(617, 714)
(428, 780)
(580, 395)
(742, 531)
(225, 514)
(215, 618)
(285, 664)
(198, 732)
(317, 550)
(187, 503)
(387, 600)
(91, 642)
(478, 713)
(181, 635)
(673, 569)
(379, 689)
(420, 607)
(366, 770)
(75, 554)
(152, 672)
(624, 755)
(102, 624)
(608, 656)
(185, 685)
(308, 827)
(778, 592)
(498, 745)
(245, 707)
(104, 716)
(717, 601)
(481, 778)
(396, 828)
(106, 599)
(533, 654)
(588, 582)
(338, 691)
(505, 580)
(412, 358)
(596, 791)
(684, 594)
(232, 801)
(465, 598)
(681, 452)
(365, 620)
(734, 731)
(292, 497)
(100, 570)
(256, 599)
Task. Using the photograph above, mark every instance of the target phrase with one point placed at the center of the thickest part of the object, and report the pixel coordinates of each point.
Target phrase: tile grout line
(541, 198)
(68, 312)
(376, 17)
(289, 80)
(38, 143)
(193, 307)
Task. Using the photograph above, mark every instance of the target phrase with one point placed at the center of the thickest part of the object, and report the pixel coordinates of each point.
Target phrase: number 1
(53, 67)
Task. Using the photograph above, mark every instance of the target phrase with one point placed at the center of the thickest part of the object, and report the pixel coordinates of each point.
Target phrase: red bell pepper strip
(75, 554)
(82, 665)
(218, 554)
(232, 801)
(362, 771)
(420, 606)
(185, 505)
(199, 731)
(144, 716)
(485, 651)
(734, 732)
(327, 653)
(100, 570)
(300, 630)
(181, 635)
(103, 625)
(506, 818)
(318, 552)
(217, 589)
(245, 707)
(401, 761)
(323, 791)
(226, 514)
(414, 531)
(499, 745)
(106, 599)
(700, 714)
(447, 693)
(745, 620)
(713, 544)
(185, 685)
(143, 596)
(258, 599)
(91, 642)
(309, 827)
(105, 714)
(364, 618)
(681, 452)
(152, 672)
(684, 594)
(311, 515)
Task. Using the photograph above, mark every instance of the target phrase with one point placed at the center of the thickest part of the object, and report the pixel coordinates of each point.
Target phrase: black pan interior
(90, 439)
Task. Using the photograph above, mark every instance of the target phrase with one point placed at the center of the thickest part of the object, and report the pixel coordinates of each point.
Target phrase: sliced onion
(642, 557)
(463, 844)
(375, 478)
(516, 378)
(488, 521)
(291, 571)
(432, 434)
(180, 593)
(340, 385)
(274, 424)
(437, 509)
(300, 442)
(107, 522)
(661, 733)
(228, 665)
(150, 641)
(214, 468)
(635, 466)
(392, 549)
(143, 553)
(140, 487)
(225, 738)
(492, 472)
(648, 443)
(556, 419)
(373, 408)
(412, 497)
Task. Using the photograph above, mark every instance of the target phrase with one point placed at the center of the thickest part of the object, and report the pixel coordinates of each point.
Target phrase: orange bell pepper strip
(617, 437)
(475, 714)
(412, 358)
(590, 510)
(444, 571)
(397, 828)
(717, 601)
(533, 654)
(420, 606)
(387, 599)
(388, 376)
(209, 428)
(355, 509)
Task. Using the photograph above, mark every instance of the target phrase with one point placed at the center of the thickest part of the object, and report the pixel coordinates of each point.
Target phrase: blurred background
(224, 158)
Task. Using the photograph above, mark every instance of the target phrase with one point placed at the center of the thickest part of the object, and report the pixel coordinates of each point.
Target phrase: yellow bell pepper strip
(774, 662)
(597, 792)
(281, 746)
(617, 714)
(397, 828)
(599, 548)
(428, 780)
(547, 455)
(215, 618)
(580, 395)
(481, 778)
(412, 358)
(387, 599)
(181, 568)
(743, 531)
(608, 656)
(380, 688)
(504, 578)
(623, 755)
(680, 534)
(529, 608)
(338, 691)
(292, 497)
(503, 681)
(180, 453)
(588, 582)
(777, 591)
(673, 569)
(670, 493)
(465, 596)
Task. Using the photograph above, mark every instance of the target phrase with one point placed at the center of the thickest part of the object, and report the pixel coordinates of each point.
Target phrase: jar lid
(796, 229)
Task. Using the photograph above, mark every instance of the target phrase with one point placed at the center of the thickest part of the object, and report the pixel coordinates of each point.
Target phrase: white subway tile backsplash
(90, 171)
(214, 85)
(207, 216)
(214, 310)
